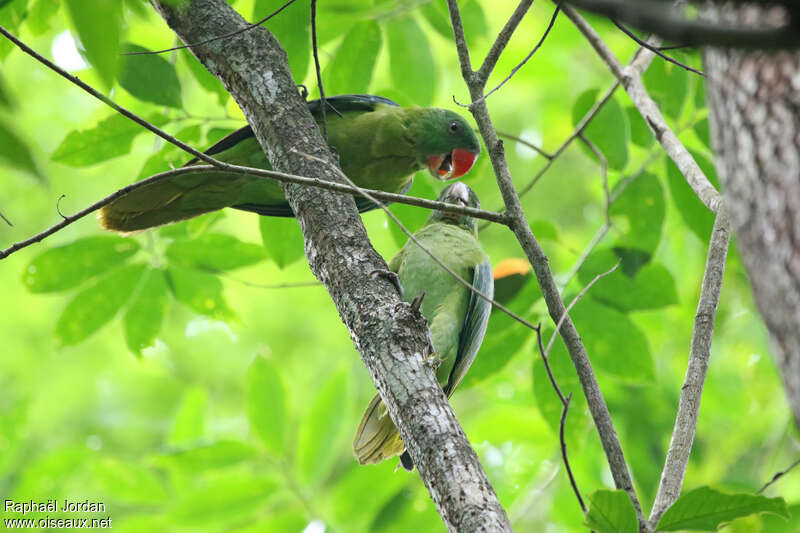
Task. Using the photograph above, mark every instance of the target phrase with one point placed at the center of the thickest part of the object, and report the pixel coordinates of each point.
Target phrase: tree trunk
(754, 103)
(391, 337)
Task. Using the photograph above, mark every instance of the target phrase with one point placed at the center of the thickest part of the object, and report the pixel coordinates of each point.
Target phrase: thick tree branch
(692, 390)
(631, 79)
(390, 336)
(544, 276)
(661, 18)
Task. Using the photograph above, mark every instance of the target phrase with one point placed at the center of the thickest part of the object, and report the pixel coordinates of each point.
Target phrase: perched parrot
(380, 146)
(456, 316)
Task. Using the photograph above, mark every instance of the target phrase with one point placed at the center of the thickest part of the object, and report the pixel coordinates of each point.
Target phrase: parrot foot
(392, 277)
(434, 361)
(303, 91)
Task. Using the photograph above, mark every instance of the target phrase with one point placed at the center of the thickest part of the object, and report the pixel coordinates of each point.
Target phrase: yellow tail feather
(377, 438)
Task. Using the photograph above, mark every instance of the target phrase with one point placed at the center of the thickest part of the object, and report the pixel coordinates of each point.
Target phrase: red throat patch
(463, 160)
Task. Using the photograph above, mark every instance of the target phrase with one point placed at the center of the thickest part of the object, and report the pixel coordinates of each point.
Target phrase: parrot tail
(377, 438)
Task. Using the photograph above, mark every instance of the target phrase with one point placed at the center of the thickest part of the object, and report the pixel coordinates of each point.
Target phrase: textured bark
(390, 336)
(754, 102)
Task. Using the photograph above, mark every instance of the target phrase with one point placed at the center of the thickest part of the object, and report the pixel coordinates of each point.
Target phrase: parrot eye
(454, 127)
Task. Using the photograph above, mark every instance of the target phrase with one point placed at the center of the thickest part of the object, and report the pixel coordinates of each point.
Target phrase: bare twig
(631, 80)
(483, 73)
(272, 174)
(526, 143)
(692, 390)
(603, 171)
(527, 57)
(778, 475)
(218, 37)
(290, 285)
(519, 225)
(655, 49)
(6, 220)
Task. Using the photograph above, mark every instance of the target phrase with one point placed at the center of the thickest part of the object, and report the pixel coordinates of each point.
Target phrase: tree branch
(692, 390)
(390, 336)
(631, 79)
(269, 174)
(539, 261)
(660, 18)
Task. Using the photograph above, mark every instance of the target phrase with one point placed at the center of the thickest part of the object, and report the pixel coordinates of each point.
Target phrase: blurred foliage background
(167, 376)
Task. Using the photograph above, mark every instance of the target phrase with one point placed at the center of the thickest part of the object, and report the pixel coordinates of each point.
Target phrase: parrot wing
(475, 321)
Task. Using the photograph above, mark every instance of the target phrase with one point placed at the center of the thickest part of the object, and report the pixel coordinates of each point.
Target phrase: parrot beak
(452, 165)
(460, 193)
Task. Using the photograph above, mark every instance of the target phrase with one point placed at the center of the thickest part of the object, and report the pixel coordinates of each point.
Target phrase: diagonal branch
(519, 225)
(680, 445)
(481, 76)
(631, 79)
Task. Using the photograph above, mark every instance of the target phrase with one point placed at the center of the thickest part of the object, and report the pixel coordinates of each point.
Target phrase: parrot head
(459, 194)
(447, 143)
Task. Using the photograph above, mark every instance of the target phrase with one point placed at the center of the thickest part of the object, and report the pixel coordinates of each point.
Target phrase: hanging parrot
(456, 316)
(380, 146)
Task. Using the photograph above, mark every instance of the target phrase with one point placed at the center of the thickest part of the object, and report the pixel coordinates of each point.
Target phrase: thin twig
(290, 285)
(524, 142)
(527, 57)
(465, 283)
(260, 172)
(655, 49)
(6, 220)
(575, 300)
(561, 427)
(603, 171)
(483, 73)
(680, 445)
(218, 37)
(777, 476)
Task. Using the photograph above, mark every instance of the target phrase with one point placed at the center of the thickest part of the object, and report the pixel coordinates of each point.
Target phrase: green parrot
(456, 316)
(380, 146)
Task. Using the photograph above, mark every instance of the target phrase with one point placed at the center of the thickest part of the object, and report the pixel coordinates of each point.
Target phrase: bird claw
(434, 361)
(303, 91)
(416, 303)
(392, 277)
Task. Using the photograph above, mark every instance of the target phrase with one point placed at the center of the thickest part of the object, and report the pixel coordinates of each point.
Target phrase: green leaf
(351, 67)
(127, 482)
(544, 230)
(96, 305)
(703, 133)
(651, 287)
(608, 131)
(472, 18)
(696, 215)
(412, 217)
(199, 291)
(6, 100)
(110, 138)
(320, 429)
(207, 81)
(97, 23)
(668, 84)
(614, 342)
(215, 251)
(640, 131)
(15, 152)
(232, 497)
(189, 423)
(282, 238)
(150, 77)
(611, 511)
(40, 15)
(220, 454)
(777, 524)
(638, 214)
(291, 27)
(706, 509)
(145, 315)
(410, 61)
(266, 406)
(65, 267)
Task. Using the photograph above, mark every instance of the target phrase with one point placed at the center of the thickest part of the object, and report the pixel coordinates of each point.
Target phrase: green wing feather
(474, 328)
